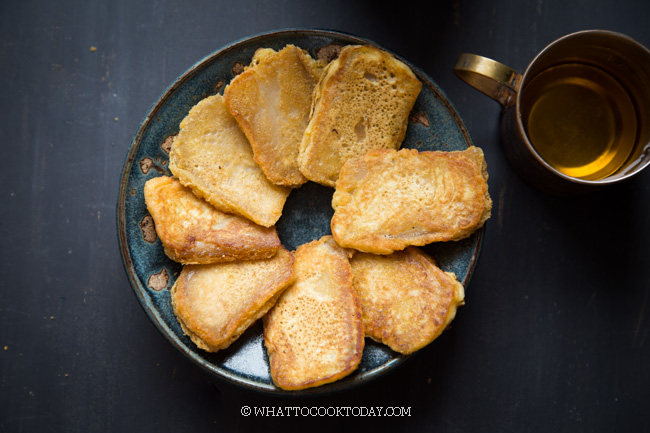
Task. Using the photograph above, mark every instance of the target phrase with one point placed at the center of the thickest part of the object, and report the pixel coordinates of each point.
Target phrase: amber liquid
(580, 120)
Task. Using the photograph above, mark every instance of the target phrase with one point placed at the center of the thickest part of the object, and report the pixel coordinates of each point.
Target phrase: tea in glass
(580, 120)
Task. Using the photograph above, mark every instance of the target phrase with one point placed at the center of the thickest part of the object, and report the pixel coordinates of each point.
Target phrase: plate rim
(137, 287)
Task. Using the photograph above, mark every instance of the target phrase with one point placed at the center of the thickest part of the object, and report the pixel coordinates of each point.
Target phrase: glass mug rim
(511, 87)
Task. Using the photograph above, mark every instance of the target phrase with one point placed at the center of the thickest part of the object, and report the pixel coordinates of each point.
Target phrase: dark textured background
(555, 333)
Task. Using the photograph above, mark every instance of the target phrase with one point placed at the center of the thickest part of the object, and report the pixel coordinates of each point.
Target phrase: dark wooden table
(555, 335)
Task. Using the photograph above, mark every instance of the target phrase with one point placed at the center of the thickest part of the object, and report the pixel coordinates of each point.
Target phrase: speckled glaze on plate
(434, 125)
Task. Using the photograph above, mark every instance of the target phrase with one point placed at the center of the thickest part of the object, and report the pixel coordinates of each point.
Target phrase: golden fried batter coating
(216, 303)
(407, 301)
(314, 334)
(387, 200)
(362, 102)
(193, 231)
(212, 156)
(271, 101)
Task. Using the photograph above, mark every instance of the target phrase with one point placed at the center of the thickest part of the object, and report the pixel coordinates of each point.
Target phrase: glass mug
(578, 118)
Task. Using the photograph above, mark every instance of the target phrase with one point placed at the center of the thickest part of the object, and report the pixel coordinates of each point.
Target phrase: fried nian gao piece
(193, 231)
(362, 102)
(406, 300)
(271, 101)
(388, 199)
(216, 303)
(212, 156)
(314, 333)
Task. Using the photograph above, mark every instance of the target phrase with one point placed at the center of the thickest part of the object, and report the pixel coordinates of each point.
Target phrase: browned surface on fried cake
(193, 231)
(212, 156)
(362, 102)
(271, 101)
(216, 303)
(314, 334)
(387, 200)
(406, 300)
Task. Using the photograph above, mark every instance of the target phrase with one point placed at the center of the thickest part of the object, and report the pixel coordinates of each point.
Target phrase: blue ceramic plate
(434, 125)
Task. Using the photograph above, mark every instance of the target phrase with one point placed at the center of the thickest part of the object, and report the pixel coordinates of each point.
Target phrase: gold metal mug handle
(495, 79)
